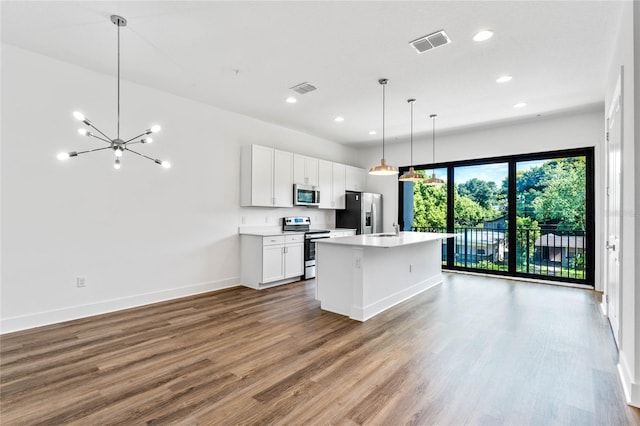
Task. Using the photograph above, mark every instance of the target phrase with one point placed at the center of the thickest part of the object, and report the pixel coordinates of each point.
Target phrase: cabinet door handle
(285, 250)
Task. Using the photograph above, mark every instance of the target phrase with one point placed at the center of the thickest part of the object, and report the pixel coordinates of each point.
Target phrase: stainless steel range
(303, 223)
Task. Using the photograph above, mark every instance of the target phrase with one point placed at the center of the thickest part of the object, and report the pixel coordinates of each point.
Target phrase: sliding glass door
(526, 215)
(480, 211)
(551, 217)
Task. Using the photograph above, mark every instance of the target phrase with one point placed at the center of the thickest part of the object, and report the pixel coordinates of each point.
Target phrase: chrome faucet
(396, 228)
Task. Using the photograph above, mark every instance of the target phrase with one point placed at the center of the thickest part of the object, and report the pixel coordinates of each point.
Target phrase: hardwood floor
(474, 350)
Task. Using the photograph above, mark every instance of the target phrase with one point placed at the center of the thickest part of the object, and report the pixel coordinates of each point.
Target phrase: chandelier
(117, 145)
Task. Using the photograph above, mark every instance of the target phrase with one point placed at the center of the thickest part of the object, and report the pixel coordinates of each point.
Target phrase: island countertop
(386, 240)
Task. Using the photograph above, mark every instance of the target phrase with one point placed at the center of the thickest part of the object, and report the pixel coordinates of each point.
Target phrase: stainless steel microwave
(306, 195)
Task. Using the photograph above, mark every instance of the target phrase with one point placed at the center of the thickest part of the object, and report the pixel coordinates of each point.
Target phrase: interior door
(613, 213)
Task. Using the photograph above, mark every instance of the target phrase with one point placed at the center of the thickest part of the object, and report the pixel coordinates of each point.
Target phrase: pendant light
(411, 175)
(383, 169)
(117, 145)
(433, 180)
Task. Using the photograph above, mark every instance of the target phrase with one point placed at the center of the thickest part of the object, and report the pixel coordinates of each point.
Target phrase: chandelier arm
(98, 130)
(99, 138)
(142, 155)
(93, 150)
(145, 133)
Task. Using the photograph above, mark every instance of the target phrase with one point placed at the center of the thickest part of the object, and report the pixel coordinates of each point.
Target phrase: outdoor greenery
(551, 197)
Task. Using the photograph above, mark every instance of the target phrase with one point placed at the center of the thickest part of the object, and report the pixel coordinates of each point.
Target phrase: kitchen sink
(383, 235)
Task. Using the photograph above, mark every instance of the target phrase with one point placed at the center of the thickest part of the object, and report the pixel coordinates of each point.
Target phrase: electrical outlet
(244, 220)
(81, 281)
(410, 267)
(358, 262)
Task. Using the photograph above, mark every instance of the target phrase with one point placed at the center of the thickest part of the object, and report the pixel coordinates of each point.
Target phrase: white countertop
(391, 240)
(261, 232)
(271, 233)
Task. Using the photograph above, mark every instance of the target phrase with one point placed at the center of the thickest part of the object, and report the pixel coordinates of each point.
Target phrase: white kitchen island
(363, 275)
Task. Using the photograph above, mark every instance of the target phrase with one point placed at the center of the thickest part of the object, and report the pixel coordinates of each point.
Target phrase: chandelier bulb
(83, 132)
(165, 164)
(146, 140)
(118, 152)
(155, 129)
(116, 165)
(64, 155)
(79, 116)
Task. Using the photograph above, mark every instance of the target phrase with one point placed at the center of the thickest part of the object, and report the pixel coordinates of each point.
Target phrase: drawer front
(294, 238)
(274, 240)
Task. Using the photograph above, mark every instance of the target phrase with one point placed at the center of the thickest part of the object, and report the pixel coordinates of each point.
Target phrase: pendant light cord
(383, 99)
(433, 134)
(411, 143)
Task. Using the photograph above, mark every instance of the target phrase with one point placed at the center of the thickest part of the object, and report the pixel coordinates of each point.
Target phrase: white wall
(140, 234)
(579, 129)
(627, 55)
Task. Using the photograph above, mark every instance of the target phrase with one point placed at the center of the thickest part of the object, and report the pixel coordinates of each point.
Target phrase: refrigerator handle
(374, 218)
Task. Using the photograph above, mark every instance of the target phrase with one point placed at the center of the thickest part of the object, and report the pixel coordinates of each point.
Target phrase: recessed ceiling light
(338, 119)
(520, 105)
(483, 35)
(372, 132)
(291, 100)
(503, 79)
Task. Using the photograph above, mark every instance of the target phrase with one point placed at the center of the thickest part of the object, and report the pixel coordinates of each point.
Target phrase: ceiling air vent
(431, 41)
(303, 88)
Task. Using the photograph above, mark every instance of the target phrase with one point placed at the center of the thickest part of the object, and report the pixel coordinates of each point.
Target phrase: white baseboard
(631, 388)
(366, 312)
(8, 325)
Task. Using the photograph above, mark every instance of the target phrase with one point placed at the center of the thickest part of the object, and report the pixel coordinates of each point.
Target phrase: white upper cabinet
(325, 177)
(266, 177)
(339, 186)
(305, 170)
(331, 178)
(355, 179)
(282, 178)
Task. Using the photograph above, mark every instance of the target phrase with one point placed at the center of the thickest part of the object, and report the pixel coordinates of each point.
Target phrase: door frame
(616, 296)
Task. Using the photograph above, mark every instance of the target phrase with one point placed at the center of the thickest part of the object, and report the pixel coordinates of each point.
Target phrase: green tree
(481, 191)
(468, 213)
(554, 193)
(527, 232)
(562, 201)
(429, 206)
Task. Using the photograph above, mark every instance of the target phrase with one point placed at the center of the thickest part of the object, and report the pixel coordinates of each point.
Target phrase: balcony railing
(543, 252)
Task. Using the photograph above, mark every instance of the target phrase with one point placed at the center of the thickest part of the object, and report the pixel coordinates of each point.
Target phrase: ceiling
(245, 56)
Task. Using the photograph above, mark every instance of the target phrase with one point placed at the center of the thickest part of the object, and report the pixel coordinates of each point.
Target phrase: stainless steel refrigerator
(363, 212)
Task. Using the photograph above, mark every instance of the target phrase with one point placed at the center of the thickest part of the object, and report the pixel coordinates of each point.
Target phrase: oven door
(310, 256)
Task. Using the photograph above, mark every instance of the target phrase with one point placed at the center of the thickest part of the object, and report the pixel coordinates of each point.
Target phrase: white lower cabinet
(267, 261)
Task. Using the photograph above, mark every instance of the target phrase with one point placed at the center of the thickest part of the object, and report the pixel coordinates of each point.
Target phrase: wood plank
(473, 351)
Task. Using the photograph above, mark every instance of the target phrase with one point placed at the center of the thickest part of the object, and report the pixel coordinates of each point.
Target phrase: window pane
(480, 216)
(425, 206)
(551, 217)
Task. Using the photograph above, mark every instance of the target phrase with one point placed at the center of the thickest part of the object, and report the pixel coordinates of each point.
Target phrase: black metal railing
(541, 252)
